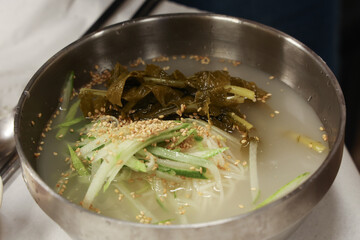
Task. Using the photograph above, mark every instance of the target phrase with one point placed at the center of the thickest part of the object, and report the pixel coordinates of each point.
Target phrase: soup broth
(280, 158)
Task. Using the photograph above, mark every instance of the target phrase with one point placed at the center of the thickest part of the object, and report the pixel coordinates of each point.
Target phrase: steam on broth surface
(281, 158)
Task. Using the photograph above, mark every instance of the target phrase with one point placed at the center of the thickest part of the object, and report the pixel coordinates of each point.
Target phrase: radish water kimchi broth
(179, 140)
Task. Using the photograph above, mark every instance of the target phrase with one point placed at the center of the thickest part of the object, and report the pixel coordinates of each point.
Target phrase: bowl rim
(337, 144)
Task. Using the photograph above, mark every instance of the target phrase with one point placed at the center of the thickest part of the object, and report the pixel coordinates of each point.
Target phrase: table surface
(335, 217)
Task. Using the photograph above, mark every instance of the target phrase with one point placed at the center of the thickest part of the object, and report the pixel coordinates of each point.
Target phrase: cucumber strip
(174, 164)
(136, 165)
(178, 156)
(181, 169)
(121, 154)
(91, 145)
(183, 138)
(181, 172)
(99, 147)
(161, 204)
(70, 123)
(168, 176)
(67, 92)
(284, 189)
(208, 153)
(107, 170)
(69, 116)
(77, 164)
(254, 180)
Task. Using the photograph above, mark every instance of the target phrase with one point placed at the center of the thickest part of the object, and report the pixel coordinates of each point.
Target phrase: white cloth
(31, 31)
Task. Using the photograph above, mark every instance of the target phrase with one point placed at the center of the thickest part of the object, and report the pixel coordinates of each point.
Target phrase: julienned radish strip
(76, 162)
(284, 189)
(137, 204)
(254, 179)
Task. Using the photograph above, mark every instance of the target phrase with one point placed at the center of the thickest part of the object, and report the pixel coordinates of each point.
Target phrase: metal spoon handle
(12, 164)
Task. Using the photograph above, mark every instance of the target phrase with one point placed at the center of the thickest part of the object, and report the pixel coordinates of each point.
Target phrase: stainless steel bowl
(202, 34)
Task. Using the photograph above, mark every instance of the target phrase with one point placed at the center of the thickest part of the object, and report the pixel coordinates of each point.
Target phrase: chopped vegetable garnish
(285, 189)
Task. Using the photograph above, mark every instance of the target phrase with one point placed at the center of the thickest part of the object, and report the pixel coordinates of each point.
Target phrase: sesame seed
(324, 137)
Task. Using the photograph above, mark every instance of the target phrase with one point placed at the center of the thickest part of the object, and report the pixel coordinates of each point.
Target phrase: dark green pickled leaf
(93, 100)
(177, 75)
(114, 92)
(155, 71)
(165, 95)
(154, 110)
(136, 93)
(116, 72)
(223, 122)
(133, 96)
(156, 75)
(207, 80)
(154, 93)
